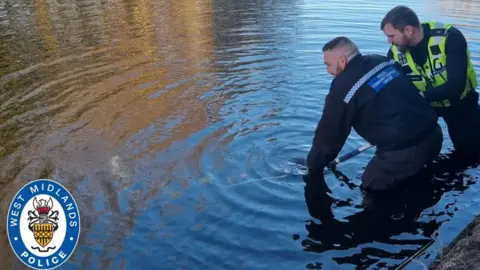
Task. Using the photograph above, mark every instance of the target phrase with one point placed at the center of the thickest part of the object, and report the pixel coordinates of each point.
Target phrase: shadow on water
(396, 218)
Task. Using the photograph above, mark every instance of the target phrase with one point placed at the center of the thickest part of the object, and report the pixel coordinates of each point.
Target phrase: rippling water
(174, 125)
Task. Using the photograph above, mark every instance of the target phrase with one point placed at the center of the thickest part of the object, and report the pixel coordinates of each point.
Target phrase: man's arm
(456, 51)
(330, 134)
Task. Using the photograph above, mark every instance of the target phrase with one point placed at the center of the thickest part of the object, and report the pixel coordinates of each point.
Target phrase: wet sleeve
(456, 51)
(331, 132)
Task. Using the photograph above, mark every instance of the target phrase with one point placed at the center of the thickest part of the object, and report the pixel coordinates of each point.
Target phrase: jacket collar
(354, 61)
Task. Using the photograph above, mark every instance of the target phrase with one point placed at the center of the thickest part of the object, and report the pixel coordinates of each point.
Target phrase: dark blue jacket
(374, 97)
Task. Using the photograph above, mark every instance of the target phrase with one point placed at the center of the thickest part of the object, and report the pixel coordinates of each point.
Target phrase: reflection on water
(173, 123)
(394, 219)
(465, 10)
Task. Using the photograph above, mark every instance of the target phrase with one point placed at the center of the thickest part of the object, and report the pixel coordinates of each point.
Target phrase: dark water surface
(173, 124)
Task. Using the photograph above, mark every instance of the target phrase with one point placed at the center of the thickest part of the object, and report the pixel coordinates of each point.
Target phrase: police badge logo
(43, 224)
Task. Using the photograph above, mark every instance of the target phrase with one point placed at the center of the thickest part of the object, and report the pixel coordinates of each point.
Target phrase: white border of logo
(14, 222)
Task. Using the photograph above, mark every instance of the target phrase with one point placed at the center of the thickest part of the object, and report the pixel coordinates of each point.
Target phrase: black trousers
(463, 124)
(389, 169)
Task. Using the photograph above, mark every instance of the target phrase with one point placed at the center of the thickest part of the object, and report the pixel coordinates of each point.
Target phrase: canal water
(179, 127)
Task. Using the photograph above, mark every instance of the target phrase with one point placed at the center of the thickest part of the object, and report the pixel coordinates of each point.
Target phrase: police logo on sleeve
(43, 224)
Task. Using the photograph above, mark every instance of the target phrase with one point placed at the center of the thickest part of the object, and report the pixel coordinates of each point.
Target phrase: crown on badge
(42, 206)
(43, 210)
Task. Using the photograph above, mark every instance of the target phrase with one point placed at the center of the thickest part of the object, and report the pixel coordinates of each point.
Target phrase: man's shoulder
(455, 30)
(342, 84)
(452, 29)
(456, 41)
(377, 57)
(347, 82)
(454, 33)
(390, 52)
(375, 62)
(339, 84)
(438, 24)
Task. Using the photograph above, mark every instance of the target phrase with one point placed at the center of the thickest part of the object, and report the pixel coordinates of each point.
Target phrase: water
(174, 124)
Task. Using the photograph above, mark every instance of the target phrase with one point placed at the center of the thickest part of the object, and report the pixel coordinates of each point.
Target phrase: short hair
(400, 17)
(338, 42)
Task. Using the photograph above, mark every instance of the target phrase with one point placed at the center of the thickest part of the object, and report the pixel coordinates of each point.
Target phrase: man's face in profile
(334, 61)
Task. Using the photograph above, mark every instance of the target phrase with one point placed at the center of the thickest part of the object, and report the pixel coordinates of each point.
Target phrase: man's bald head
(337, 52)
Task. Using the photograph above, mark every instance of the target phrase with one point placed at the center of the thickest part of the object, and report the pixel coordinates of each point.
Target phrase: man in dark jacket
(372, 95)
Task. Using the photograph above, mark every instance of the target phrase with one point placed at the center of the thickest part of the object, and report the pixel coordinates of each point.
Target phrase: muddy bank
(463, 252)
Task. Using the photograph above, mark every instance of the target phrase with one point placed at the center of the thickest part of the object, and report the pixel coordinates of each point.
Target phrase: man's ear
(343, 61)
(408, 30)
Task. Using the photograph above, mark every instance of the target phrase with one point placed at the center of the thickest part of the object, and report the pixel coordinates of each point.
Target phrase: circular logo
(43, 224)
